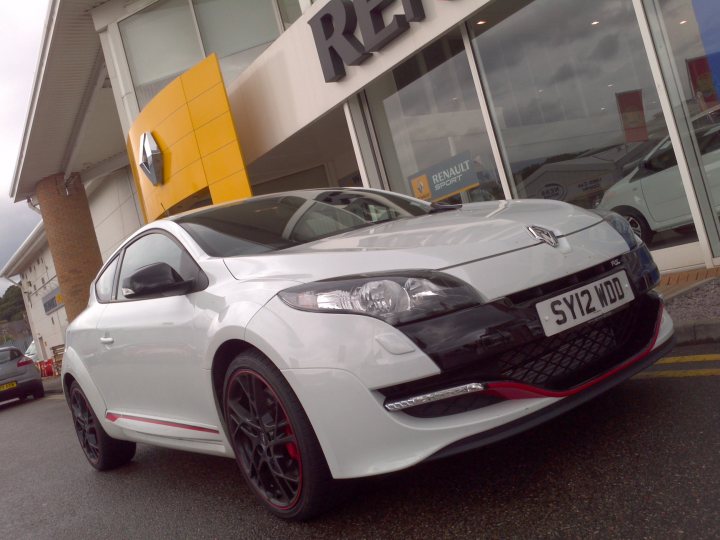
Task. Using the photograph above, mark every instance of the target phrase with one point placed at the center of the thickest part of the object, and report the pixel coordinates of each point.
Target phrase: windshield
(272, 223)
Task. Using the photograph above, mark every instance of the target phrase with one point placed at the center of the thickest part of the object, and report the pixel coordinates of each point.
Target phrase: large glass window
(687, 33)
(576, 110)
(430, 129)
(162, 40)
(237, 31)
(160, 43)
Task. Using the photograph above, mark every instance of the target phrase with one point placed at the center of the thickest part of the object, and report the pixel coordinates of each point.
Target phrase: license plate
(8, 386)
(584, 303)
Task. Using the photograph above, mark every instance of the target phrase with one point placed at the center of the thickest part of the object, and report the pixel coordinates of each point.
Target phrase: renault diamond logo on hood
(538, 233)
(150, 158)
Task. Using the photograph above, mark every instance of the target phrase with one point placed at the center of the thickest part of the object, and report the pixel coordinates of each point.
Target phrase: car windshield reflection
(273, 223)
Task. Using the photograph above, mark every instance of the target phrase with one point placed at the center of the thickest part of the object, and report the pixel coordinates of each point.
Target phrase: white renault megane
(328, 334)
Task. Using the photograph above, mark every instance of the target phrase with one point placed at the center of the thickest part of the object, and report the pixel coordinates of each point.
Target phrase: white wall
(39, 279)
(114, 210)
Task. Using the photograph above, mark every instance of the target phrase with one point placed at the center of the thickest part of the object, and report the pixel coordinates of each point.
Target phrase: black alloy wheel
(101, 450)
(275, 446)
(264, 439)
(86, 426)
(637, 222)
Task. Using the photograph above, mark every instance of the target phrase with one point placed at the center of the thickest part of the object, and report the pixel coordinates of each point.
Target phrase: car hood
(434, 241)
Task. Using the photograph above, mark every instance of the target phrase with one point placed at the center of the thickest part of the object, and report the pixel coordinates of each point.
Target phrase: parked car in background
(19, 376)
(339, 333)
(652, 197)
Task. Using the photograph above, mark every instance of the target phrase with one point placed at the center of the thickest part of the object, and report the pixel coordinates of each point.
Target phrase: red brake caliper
(290, 447)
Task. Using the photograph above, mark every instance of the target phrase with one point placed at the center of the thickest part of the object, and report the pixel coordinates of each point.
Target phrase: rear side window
(9, 354)
(104, 283)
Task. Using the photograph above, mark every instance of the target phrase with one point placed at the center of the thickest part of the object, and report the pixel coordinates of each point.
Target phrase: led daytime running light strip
(434, 396)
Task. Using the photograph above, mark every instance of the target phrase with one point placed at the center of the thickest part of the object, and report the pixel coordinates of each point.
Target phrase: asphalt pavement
(641, 461)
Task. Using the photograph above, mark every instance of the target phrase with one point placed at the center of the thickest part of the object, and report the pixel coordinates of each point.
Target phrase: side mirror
(155, 279)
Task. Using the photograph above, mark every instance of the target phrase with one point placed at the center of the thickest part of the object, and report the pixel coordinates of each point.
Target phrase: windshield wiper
(439, 207)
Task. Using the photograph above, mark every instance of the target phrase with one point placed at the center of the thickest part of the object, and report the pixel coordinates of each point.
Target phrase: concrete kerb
(691, 332)
(52, 385)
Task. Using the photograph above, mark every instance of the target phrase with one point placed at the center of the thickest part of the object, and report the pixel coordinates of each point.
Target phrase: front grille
(557, 363)
(564, 360)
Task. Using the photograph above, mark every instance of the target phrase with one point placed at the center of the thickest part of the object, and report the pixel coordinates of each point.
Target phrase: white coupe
(339, 333)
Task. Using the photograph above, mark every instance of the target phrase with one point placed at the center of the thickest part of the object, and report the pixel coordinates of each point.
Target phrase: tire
(285, 469)
(102, 451)
(638, 223)
(39, 393)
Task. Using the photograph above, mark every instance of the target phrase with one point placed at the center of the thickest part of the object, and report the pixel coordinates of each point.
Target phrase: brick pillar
(71, 238)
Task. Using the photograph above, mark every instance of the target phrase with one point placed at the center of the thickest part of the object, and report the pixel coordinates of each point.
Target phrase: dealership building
(146, 108)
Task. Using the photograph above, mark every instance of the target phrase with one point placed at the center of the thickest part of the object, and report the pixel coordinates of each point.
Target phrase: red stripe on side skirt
(113, 417)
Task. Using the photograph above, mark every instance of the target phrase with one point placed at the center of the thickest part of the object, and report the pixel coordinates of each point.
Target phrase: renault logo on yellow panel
(421, 187)
(150, 158)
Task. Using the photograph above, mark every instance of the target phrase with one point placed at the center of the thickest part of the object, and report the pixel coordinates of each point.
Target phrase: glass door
(576, 109)
(686, 38)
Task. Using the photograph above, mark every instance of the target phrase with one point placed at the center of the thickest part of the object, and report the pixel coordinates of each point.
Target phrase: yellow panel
(186, 182)
(136, 177)
(173, 128)
(208, 106)
(180, 155)
(223, 162)
(192, 124)
(166, 102)
(201, 77)
(231, 188)
(216, 134)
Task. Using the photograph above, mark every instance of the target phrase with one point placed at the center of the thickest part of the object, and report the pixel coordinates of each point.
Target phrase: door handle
(107, 340)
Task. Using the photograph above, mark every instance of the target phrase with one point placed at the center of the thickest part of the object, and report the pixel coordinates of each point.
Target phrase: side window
(709, 140)
(154, 248)
(664, 159)
(104, 283)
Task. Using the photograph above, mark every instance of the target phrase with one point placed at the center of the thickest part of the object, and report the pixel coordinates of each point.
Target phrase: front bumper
(360, 438)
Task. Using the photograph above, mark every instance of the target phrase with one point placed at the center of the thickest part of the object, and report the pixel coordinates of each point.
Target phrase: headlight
(395, 298)
(620, 224)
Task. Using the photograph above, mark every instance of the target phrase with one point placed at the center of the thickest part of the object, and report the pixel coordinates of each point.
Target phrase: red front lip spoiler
(514, 390)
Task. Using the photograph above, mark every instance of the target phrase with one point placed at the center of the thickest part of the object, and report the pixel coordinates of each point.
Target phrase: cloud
(607, 48)
(20, 39)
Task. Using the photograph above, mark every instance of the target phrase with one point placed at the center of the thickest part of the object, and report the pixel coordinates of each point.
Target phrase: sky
(21, 26)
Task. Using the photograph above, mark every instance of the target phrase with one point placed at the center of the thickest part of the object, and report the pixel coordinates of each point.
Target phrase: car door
(151, 362)
(662, 187)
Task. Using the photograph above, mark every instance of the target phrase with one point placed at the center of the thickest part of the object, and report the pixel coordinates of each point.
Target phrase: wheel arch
(74, 370)
(223, 357)
(619, 209)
